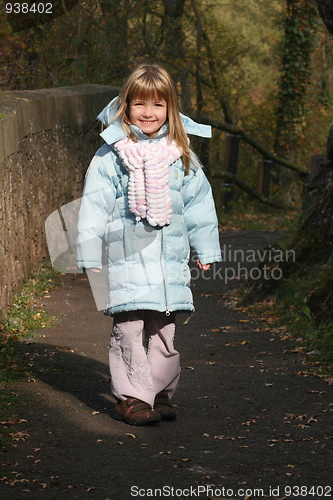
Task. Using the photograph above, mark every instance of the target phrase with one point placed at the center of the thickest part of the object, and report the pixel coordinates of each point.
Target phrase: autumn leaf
(130, 435)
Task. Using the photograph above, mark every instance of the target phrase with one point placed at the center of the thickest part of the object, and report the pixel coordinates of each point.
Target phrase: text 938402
(26, 8)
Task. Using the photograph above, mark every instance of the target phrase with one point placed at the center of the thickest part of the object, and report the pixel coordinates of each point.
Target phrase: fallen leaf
(95, 412)
(189, 367)
(130, 435)
(19, 436)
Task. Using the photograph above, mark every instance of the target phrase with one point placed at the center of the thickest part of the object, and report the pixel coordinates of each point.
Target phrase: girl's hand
(95, 270)
(204, 267)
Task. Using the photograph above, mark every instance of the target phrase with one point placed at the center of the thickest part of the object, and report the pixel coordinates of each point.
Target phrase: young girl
(146, 201)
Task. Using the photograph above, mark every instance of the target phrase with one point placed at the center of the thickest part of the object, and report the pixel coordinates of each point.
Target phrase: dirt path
(247, 422)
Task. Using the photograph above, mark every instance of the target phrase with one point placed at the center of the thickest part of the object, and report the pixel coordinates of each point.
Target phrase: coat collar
(115, 131)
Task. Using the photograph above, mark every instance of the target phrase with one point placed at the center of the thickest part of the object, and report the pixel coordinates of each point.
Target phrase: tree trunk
(325, 8)
(116, 15)
(173, 47)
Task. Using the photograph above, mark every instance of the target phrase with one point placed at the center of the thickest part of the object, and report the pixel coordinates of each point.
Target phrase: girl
(148, 199)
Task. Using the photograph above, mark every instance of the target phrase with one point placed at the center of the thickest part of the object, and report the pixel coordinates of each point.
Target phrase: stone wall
(47, 139)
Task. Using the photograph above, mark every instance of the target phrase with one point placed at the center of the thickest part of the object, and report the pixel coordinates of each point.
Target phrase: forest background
(264, 67)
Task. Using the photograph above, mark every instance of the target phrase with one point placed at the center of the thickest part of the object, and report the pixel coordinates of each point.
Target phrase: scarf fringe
(148, 188)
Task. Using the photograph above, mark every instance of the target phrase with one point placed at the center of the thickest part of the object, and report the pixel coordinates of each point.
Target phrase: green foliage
(24, 317)
(299, 26)
(293, 311)
(26, 314)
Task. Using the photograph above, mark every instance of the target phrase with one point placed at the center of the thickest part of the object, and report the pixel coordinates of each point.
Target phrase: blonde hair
(151, 81)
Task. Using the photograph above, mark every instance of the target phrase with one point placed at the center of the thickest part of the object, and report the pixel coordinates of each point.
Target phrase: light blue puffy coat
(147, 267)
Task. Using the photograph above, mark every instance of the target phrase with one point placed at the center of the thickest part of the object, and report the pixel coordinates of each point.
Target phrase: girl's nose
(147, 111)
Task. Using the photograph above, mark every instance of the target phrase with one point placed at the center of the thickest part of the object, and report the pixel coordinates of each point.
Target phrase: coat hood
(115, 131)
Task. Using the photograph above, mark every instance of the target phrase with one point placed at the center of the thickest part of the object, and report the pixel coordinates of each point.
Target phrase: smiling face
(148, 114)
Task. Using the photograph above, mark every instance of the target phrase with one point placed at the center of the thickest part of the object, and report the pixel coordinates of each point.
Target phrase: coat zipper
(167, 312)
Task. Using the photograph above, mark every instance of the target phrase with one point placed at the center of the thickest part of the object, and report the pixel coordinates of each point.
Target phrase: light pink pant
(142, 357)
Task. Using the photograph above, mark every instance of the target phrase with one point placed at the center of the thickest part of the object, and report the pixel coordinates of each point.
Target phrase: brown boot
(164, 407)
(133, 411)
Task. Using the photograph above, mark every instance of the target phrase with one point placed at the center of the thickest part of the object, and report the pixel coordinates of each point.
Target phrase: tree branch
(250, 190)
(234, 129)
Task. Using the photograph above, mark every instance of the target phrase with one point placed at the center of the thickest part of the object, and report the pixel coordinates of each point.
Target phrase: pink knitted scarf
(148, 189)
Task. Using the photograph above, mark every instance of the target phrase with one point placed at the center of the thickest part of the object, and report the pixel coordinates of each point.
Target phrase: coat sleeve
(97, 203)
(200, 217)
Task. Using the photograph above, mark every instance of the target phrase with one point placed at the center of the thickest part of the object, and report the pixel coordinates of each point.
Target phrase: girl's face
(148, 115)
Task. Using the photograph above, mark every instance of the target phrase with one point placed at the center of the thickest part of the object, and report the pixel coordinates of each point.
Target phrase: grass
(24, 317)
(26, 313)
(291, 308)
